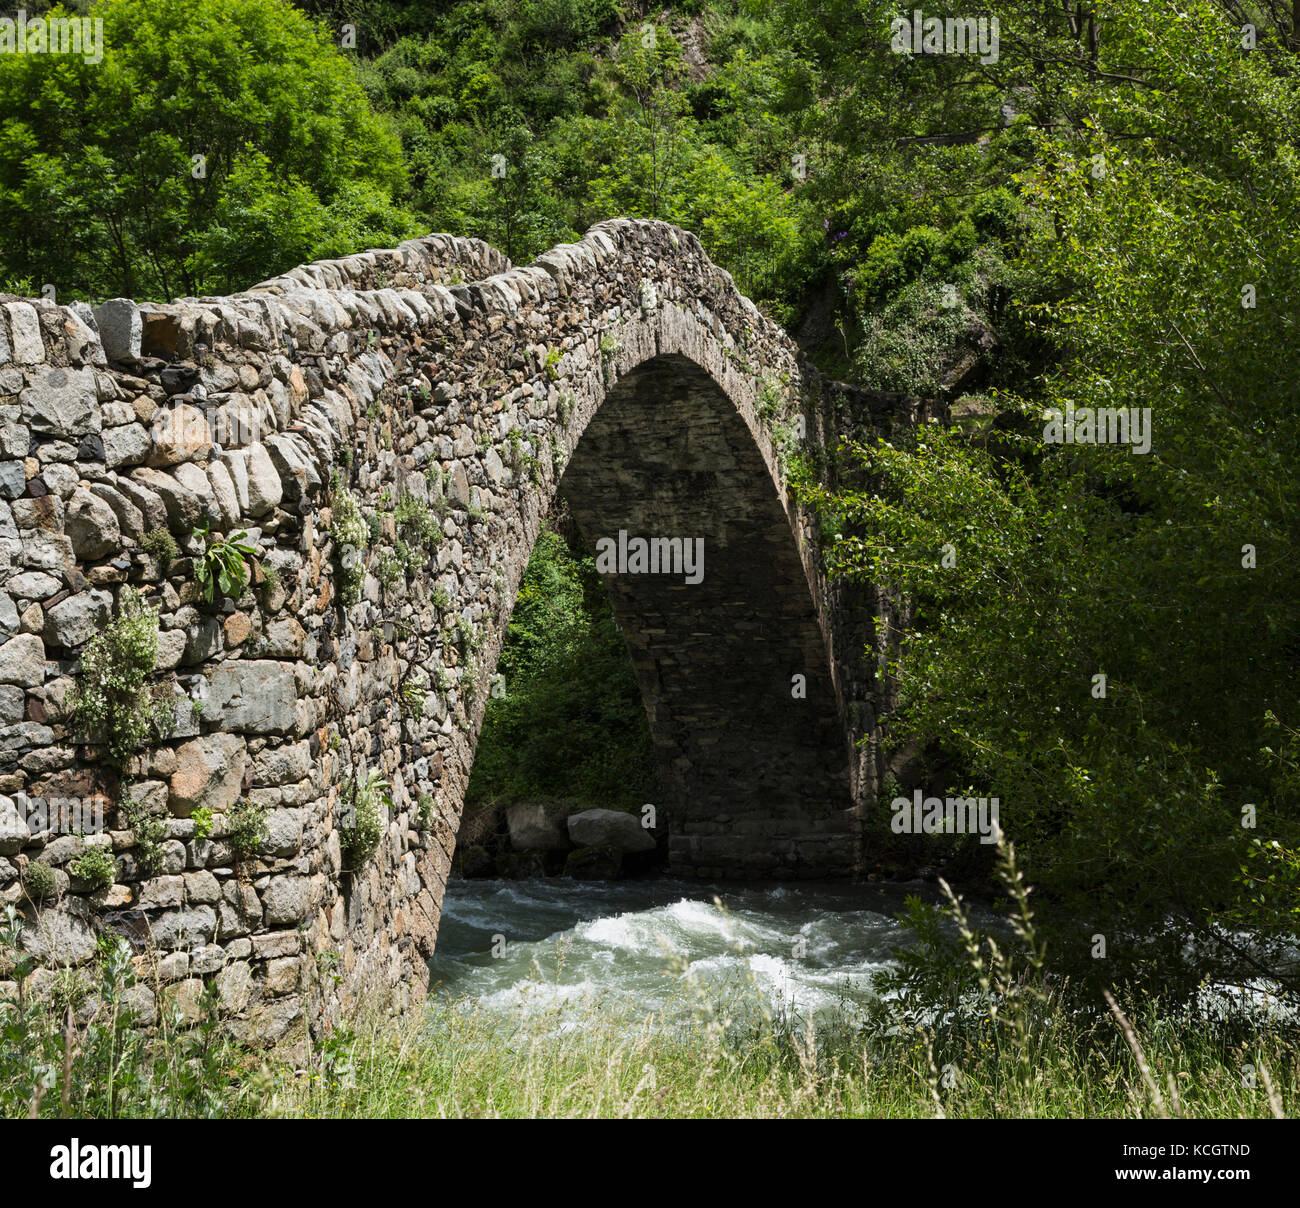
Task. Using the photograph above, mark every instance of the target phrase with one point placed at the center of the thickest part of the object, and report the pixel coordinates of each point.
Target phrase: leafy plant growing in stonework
(467, 638)
(610, 347)
(522, 456)
(416, 521)
(160, 545)
(270, 582)
(368, 800)
(203, 819)
(428, 811)
(95, 866)
(223, 565)
(350, 533)
(413, 693)
(112, 703)
(38, 882)
(248, 828)
(392, 566)
(149, 832)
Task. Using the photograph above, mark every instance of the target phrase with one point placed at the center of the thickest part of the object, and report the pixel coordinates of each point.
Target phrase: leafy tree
(208, 123)
(1155, 806)
(520, 213)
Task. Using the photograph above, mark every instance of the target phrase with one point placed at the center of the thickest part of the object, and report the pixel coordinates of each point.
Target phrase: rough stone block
(251, 697)
(119, 329)
(61, 403)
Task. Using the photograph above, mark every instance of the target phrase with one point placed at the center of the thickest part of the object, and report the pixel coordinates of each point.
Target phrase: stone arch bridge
(391, 429)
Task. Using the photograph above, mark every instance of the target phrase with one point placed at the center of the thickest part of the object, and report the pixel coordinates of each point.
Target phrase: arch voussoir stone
(447, 397)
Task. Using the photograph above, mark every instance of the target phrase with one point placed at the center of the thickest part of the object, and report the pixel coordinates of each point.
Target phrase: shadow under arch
(733, 670)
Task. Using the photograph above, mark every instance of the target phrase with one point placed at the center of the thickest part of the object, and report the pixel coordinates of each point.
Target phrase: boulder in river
(538, 826)
(475, 861)
(610, 828)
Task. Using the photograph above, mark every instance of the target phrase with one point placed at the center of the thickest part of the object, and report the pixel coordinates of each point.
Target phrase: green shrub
(893, 261)
(111, 702)
(995, 213)
(95, 866)
(203, 819)
(956, 246)
(38, 882)
(248, 828)
(368, 799)
(917, 248)
(914, 341)
(548, 24)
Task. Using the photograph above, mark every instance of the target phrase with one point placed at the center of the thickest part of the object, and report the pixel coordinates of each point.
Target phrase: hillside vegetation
(1101, 217)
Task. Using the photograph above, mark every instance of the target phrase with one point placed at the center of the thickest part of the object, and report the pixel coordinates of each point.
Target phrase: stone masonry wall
(444, 392)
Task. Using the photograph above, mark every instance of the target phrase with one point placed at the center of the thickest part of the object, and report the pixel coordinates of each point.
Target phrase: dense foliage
(565, 718)
(1109, 646)
(217, 143)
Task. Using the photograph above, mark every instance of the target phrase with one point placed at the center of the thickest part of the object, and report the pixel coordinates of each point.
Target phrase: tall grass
(469, 1063)
(83, 1043)
(999, 1041)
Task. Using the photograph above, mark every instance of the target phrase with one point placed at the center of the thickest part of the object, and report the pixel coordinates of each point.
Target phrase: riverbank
(466, 1062)
(463, 1061)
(698, 1027)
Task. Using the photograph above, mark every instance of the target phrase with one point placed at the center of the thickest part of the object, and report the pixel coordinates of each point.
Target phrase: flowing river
(654, 945)
(631, 948)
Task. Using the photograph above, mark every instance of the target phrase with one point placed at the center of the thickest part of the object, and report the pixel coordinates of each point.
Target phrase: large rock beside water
(594, 864)
(609, 828)
(537, 826)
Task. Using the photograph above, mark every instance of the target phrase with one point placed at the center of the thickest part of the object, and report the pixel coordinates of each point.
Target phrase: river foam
(662, 946)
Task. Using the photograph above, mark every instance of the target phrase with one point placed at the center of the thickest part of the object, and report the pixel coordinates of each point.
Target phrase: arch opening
(733, 670)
